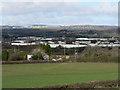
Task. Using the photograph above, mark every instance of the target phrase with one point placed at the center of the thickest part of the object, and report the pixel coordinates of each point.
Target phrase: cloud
(59, 13)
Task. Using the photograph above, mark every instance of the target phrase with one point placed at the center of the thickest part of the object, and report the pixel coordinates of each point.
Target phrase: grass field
(44, 74)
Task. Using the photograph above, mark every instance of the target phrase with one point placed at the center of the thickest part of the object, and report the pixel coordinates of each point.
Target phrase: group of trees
(99, 54)
(11, 55)
(46, 48)
(88, 54)
(41, 51)
(5, 55)
(14, 55)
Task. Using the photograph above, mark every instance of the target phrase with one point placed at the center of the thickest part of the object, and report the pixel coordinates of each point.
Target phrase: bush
(101, 84)
(46, 48)
(5, 55)
(10, 55)
(98, 54)
(37, 57)
(14, 57)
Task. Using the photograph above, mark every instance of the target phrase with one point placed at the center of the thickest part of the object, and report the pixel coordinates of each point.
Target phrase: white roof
(91, 38)
(72, 46)
(66, 45)
(54, 45)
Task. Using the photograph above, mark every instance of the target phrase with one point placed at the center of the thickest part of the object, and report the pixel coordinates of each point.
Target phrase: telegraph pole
(64, 51)
(64, 46)
(75, 55)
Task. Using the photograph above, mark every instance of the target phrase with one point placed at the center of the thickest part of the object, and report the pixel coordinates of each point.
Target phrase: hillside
(59, 31)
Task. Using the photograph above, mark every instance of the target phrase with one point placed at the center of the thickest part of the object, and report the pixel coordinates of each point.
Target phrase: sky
(59, 12)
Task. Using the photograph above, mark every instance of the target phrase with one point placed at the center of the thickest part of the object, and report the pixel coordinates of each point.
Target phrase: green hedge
(92, 84)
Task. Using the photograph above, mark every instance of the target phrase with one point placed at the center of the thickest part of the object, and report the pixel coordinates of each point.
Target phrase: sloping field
(44, 74)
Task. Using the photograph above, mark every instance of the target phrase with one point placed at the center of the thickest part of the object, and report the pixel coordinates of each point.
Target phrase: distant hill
(66, 27)
(39, 25)
(60, 30)
(75, 27)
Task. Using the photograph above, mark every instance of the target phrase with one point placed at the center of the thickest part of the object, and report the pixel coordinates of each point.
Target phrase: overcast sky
(59, 13)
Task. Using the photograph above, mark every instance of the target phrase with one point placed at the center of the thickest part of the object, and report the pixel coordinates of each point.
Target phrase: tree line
(16, 54)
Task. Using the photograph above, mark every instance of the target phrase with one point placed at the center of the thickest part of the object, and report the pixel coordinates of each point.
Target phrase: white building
(54, 45)
(66, 45)
(47, 39)
(29, 57)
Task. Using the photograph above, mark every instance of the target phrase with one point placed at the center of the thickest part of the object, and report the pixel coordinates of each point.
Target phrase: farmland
(44, 74)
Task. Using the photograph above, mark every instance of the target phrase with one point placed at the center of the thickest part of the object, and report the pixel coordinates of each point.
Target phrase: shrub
(14, 57)
(92, 85)
(37, 56)
(98, 54)
(5, 55)
(18, 55)
(46, 48)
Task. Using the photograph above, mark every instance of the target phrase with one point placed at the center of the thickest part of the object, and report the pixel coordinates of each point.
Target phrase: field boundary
(91, 84)
(27, 62)
(43, 61)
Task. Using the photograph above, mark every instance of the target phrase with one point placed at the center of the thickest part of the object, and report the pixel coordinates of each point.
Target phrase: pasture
(44, 74)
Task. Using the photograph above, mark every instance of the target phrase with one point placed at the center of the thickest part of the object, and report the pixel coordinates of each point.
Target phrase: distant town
(68, 36)
(63, 40)
(75, 43)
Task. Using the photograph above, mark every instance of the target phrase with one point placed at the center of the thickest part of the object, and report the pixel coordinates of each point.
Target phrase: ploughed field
(45, 74)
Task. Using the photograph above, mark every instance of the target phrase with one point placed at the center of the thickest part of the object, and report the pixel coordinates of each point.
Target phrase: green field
(44, 74)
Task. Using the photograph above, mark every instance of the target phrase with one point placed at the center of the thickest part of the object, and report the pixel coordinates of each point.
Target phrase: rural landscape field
(60, 44)
(37, 75)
